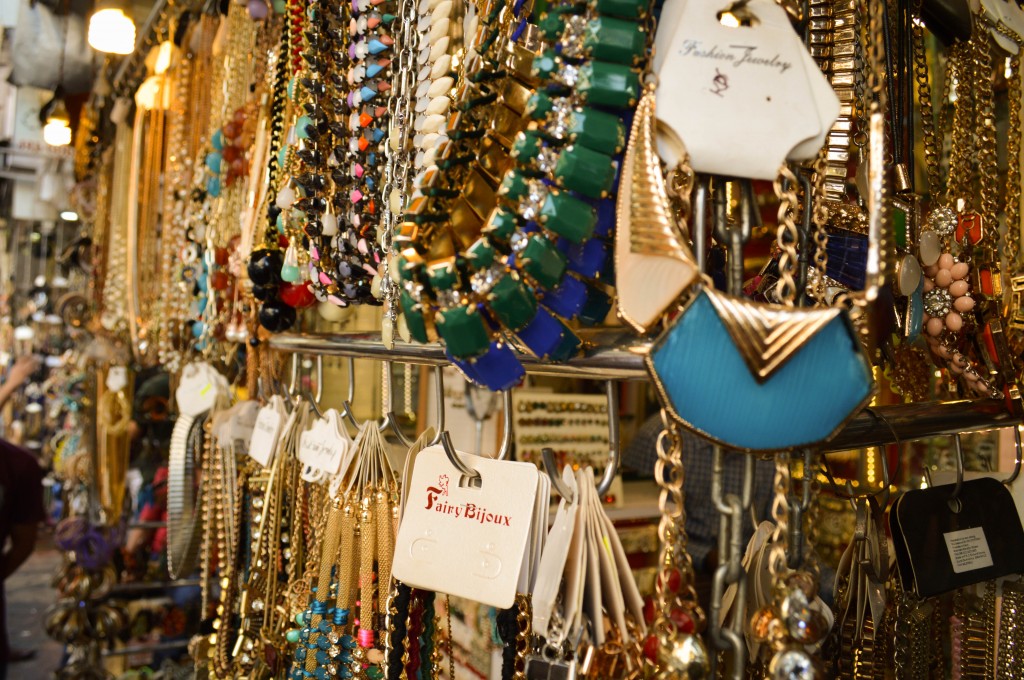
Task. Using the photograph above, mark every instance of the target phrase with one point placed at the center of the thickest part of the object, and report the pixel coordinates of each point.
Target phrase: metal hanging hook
(610, 470)
(346, 405)
(1017, 461)
(471, 477)
(391, 418)
(955, 496)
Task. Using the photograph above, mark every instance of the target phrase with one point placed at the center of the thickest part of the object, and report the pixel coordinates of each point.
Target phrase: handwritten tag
(267, 430)
(466, 541)
(740, 98)
(323, 447)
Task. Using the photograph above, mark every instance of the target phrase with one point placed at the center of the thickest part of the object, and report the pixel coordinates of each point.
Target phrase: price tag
(236, 430)
(324, 447)
(266, 430)
(199, 389)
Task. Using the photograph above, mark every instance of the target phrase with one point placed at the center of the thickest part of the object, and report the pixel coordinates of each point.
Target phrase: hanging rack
(619, 355)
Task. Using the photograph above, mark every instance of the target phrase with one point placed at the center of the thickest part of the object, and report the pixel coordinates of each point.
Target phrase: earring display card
(574, 426)
(463, 540)
(944, 544)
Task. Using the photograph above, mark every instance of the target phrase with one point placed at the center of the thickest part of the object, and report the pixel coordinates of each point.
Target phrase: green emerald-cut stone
(899, 226)
(543, 261)
(374, 672)
(443, 276)
(614, 40)
(629, 9)
(551, 24)
(544, 65)
(584, 170)
(405, 270)
(526, 147)
(596, 308)
(501, 225)
(512, 302)
(414, 317)
(513, 186)
(537, 106)
(464, 331)
(597, 130)
(606, 84)
(568, 348)
(568, 217)
(481, 254)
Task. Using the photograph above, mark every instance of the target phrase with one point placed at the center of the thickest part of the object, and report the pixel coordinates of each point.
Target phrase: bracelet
(182, 510)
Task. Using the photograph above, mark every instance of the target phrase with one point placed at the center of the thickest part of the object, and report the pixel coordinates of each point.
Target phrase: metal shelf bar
(624, 361)
(141, 649)
(153, 585)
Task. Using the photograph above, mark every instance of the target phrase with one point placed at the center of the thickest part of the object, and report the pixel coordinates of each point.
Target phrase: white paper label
(323, 447)
(266, 431)
(968, 549)
(238, 430)
(466, 541)
(117, 378)
(198, 390)
(552, 559)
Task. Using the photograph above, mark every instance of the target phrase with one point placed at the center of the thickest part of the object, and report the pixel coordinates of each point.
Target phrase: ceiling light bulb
(57, 133)
(69, 216)
(111, 30)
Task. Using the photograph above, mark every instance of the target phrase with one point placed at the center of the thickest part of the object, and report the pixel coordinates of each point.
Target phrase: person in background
(21, 508)
(702, 519)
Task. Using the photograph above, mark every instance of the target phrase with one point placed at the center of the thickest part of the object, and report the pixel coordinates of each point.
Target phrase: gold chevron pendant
(653, 262)
(768, 335)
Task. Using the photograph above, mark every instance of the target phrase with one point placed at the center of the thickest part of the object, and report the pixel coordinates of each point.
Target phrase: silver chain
(397, 150)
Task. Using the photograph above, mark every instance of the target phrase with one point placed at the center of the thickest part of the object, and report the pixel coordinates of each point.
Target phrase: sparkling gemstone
(530, 204)
(257, 605)
(559, 121)
(573, 35)
(547, 158)
(937, 302)
(568, 76)
(941, 220)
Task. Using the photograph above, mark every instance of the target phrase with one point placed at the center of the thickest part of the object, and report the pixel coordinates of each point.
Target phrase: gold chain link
(985, 127)
(787, 237)
(924, 102)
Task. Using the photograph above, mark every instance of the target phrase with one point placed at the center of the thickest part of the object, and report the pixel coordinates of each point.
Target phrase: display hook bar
(620, 356)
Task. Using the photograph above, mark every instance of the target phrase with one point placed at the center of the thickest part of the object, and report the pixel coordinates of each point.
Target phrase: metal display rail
(874, 426)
